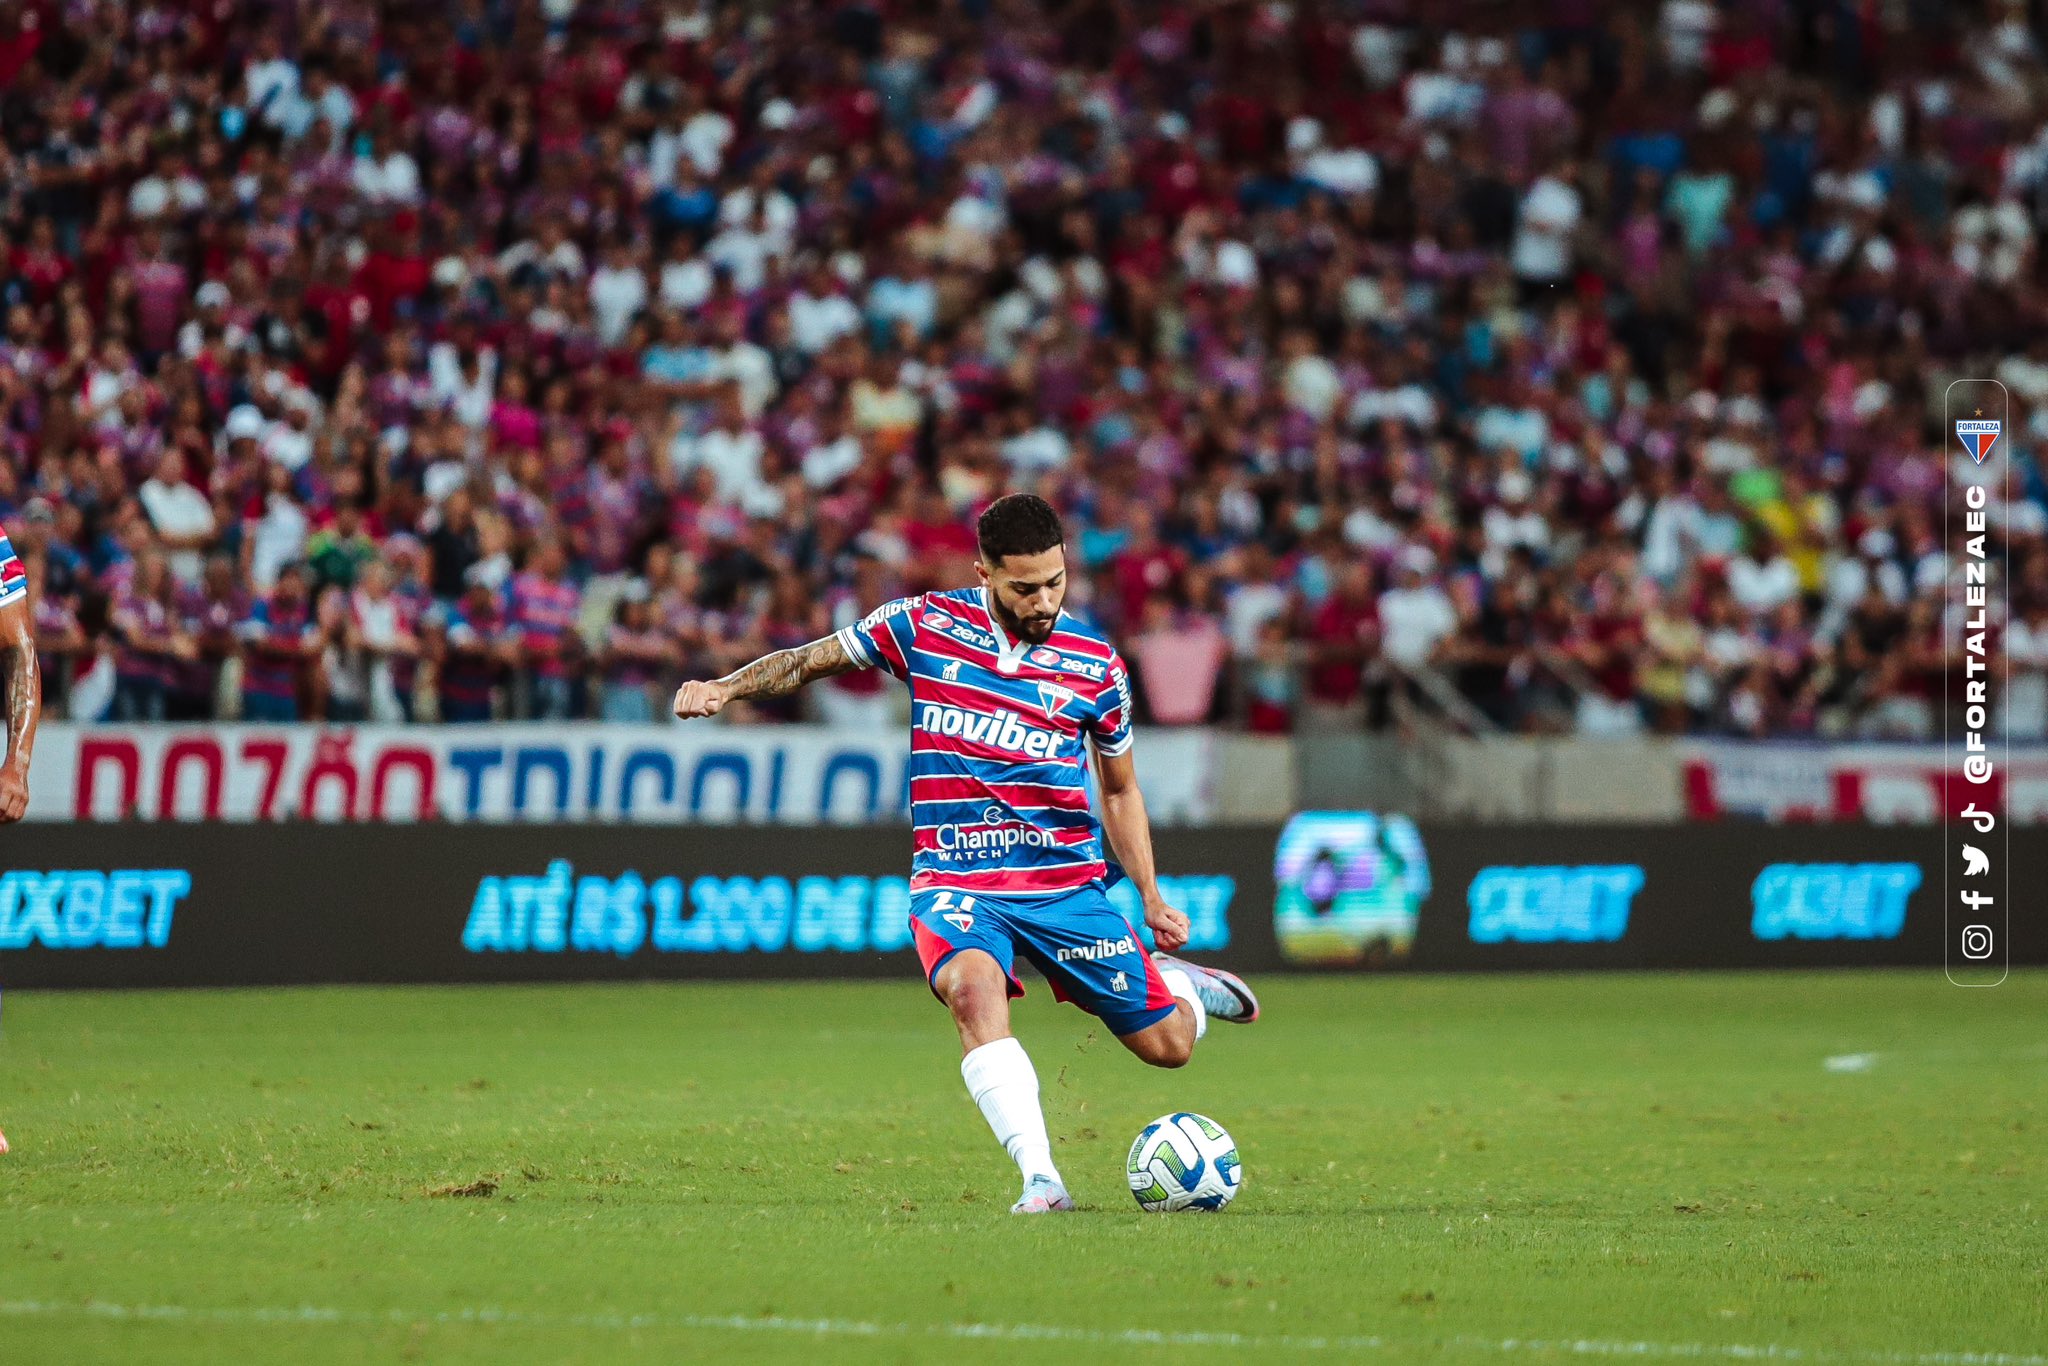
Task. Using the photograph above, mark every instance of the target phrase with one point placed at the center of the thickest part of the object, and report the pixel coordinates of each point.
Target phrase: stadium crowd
(1547, 365)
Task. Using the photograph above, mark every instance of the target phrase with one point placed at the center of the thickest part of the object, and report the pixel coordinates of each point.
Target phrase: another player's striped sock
(1180, 984)
(1003, 1083)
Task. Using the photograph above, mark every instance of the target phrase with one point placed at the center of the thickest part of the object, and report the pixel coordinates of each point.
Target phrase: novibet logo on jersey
(1002, 731)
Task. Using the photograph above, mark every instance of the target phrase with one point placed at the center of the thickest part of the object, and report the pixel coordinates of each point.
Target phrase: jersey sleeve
(13, 574)
(881, 639)
(1111, 723)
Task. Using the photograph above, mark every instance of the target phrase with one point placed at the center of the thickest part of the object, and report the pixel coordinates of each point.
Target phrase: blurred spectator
(277, 637)
(1177, 657)
(637, 657)
(544, 610)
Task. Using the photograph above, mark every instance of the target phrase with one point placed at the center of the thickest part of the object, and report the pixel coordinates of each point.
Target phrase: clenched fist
(13, 797)
(1169, 927)
(700, 697)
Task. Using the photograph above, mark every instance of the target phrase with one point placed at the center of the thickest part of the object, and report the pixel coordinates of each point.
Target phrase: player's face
(1027, 591)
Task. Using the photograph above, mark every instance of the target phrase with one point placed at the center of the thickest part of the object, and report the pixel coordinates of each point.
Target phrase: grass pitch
(1448, 1168)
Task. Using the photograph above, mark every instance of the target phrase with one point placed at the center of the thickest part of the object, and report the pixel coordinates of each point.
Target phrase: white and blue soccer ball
(1184, 1161)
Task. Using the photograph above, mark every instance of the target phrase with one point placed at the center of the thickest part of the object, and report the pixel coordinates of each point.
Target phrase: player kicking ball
(1006, 691)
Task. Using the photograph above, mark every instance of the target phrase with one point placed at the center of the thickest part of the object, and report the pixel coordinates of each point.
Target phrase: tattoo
(24, 685)
(785, 671)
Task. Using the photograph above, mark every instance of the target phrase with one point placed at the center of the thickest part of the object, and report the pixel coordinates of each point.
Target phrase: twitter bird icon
(1975, 862)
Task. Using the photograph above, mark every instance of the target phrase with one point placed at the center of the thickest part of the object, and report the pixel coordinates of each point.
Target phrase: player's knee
(973, 987)
(1167, 1045)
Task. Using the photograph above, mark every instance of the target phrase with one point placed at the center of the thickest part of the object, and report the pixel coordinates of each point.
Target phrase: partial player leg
(1199, 995)
(1169, 1043)
(966, 947)
(1214, 993)
(999, 1074)
(1093, 958)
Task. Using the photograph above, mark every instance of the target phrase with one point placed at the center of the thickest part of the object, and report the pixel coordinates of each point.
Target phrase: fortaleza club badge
(1979, 435)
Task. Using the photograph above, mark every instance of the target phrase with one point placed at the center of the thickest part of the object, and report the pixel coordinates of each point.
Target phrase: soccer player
(22, 682)
(1006, 690)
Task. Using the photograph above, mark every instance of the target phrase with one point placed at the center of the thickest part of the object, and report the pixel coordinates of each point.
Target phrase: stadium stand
(1532, 367)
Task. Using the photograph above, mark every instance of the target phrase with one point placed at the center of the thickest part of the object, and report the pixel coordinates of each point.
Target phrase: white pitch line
(1001, 1332)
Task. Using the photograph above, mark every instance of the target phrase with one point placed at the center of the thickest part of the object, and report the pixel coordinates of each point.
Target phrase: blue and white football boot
(1224, 994)
(1043, 1195)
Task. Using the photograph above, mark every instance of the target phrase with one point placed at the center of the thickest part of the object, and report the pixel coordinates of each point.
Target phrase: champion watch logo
(1979, 435)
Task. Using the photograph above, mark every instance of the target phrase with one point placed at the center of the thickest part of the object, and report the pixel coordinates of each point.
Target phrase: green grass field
(1447, 1168)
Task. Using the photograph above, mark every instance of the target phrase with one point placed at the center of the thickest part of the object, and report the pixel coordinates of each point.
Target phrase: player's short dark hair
(1017, 524)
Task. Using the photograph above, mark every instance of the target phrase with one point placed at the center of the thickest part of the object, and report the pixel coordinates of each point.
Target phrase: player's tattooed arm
(775, 675)
(22, 680)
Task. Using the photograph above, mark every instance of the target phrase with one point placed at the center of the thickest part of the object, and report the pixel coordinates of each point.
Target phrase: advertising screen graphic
(128, 908)
(1585, 904)
(561, 911)
(1832, 900)
(1348, 887)
(163, 904)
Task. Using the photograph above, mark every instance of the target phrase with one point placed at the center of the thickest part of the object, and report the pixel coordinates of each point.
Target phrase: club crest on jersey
(962, 921)
(1979, 435)
(1053, 696)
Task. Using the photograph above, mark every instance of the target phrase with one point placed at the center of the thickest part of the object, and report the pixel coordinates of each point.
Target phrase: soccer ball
(1184, 1161)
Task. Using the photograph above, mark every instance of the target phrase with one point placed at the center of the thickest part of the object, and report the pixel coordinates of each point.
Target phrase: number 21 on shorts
(960, 914)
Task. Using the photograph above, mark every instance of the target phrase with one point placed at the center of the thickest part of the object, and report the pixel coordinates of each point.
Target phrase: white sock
(1003, 1083)
(1178, 982)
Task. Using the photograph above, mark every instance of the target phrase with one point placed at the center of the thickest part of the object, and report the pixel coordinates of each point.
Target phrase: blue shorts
(1082, 944)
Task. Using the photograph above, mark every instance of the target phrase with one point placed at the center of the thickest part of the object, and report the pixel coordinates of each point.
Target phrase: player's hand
(13, 793)
(1169, 927)
(699, 697)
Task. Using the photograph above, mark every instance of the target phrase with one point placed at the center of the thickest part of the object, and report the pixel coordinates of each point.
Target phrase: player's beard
(1031, 632)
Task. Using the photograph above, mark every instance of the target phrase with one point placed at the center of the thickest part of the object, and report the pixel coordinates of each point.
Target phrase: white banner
(1882, 784)
(654, 774)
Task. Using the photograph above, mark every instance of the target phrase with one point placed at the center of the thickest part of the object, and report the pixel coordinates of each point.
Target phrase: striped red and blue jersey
(999, 730)
(13, 575)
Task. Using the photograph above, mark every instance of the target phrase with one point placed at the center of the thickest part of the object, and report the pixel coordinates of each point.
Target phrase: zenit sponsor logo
(1002, 731)
(1099, 950)
(958, 630)
(1052, 659)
